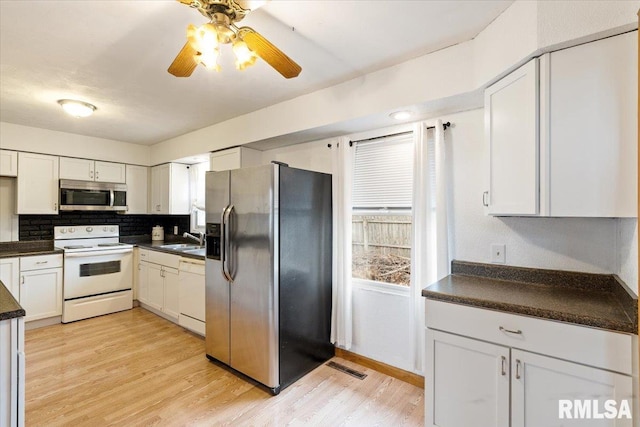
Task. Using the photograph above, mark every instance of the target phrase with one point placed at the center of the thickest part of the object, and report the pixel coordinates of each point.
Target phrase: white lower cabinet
(470, 382)
(543, 386)
(10, 275)
(158, 284)
(584, 379)
(41, 286)
(12, 372)
(171, 292)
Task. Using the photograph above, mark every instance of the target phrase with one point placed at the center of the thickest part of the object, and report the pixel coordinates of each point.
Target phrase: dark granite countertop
(28, 248)
(9, 307)
(145, 241)
(595, 300)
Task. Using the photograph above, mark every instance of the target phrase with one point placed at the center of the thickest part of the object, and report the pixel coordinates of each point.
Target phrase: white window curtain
(342, 307)
(430, 256)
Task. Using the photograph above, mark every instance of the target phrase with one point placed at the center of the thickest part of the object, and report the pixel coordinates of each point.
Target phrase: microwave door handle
(112, 197)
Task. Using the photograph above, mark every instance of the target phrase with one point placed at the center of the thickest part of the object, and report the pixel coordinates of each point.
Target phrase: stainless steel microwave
(92, 196)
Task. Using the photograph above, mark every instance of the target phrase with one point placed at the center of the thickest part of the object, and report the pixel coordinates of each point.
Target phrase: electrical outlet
(498, 253)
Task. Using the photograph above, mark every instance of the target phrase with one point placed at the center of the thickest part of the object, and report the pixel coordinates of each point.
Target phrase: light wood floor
(134, 368)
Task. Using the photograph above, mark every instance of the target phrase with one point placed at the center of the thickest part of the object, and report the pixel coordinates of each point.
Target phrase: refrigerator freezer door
(253, 267)
(217, 287)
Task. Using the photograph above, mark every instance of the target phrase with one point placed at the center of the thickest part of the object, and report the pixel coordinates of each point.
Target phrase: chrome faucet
(200, 239)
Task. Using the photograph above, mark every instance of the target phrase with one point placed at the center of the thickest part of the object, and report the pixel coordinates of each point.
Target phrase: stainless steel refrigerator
(268, 272)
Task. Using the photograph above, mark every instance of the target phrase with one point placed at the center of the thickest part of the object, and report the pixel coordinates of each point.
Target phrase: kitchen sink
(180, 247)
(201, 251)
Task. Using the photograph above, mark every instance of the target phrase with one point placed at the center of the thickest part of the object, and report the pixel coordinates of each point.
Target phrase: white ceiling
(114, 54)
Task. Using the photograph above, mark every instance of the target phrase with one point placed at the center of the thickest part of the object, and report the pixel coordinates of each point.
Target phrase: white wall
(627, 252)
(26, 138)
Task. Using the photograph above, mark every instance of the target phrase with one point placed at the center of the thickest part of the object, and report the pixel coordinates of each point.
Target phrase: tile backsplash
(40, 227)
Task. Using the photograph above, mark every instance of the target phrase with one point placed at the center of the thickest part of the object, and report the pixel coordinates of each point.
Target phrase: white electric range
(98, 271)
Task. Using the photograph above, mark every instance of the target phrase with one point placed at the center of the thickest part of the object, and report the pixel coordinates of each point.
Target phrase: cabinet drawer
(194, 266)
(144, 254)
(39, 262)
(581, 344)
(164, 258)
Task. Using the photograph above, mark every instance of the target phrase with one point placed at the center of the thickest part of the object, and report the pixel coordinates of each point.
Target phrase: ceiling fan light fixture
(209, 59)
(77, 108)
(205, 38)
(401, 115)
(245, 57)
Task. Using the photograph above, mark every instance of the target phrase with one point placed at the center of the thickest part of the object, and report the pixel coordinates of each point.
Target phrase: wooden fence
(382, 248)
(382, 234)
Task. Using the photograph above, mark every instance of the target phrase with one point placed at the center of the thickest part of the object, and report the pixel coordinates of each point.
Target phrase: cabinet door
(10, 275)
(8, 163)
(179, 190)
(137, 189)
(110, 172)
(539, 383)
(466, 382)
(593, 128)
(160, 176)
(143, 282)
(37, 191)
(171, 292)
(156, 287)
(80, 169)
(511, 126)
(225, 160)
(41, 293)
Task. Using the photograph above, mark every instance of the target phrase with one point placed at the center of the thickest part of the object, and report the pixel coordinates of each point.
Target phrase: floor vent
(352, 372)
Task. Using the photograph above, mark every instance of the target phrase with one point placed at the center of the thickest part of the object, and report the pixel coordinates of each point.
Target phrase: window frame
(373, 285)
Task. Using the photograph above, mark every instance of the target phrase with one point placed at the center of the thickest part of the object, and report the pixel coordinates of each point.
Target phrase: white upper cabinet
(137, 189)
(562, 133)
(37, 189)
(511, 126)
(234, 158)
(110, 172)
(80, 169)
(170, 189)
(592, 128)
(8, 163)
(90, 170)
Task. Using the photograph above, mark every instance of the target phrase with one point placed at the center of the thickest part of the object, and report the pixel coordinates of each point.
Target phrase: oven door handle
(97, 253)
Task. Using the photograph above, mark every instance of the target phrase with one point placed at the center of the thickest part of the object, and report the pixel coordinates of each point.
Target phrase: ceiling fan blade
(270, 54)
(184, 64)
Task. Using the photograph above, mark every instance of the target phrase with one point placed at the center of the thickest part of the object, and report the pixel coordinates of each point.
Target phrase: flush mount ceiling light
(204, 43)
(77, 108)
(401, 115)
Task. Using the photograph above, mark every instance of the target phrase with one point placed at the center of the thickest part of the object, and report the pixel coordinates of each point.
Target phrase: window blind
(383, 173)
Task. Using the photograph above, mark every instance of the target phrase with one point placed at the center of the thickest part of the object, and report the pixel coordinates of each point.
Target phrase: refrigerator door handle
(223, 249)
(226, 243)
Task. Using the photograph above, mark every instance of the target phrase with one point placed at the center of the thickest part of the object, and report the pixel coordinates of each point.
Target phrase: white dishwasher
(192, 305)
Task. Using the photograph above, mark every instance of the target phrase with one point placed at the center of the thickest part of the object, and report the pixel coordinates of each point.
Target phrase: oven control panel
(84, 231)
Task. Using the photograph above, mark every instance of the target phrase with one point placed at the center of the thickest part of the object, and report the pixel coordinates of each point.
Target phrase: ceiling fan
(202, 46)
